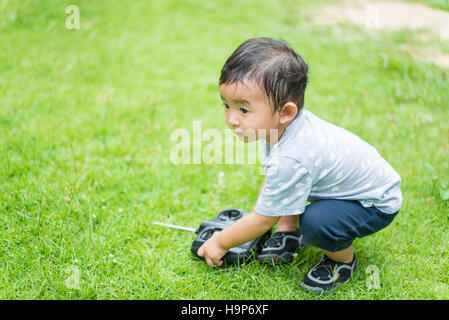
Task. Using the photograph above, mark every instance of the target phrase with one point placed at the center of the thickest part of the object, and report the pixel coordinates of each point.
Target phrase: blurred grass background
(85, 122)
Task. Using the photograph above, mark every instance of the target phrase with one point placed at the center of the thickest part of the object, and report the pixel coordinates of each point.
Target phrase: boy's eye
(243, 110)
(226, 106)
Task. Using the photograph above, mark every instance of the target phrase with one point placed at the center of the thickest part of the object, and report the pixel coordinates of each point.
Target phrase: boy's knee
(310, 228)
(316, 232)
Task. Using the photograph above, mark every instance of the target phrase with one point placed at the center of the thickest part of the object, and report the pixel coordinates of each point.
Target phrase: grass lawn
(85, 122)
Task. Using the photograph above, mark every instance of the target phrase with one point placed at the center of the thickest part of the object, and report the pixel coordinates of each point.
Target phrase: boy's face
(247, 111)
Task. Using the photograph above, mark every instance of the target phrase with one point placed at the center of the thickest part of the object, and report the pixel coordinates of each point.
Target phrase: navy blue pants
(332, 225)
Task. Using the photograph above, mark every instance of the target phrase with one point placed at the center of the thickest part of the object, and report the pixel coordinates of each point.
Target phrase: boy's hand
(212, 251)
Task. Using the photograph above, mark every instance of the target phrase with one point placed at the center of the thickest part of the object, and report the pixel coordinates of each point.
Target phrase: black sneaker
(280, 247)
(327, 275)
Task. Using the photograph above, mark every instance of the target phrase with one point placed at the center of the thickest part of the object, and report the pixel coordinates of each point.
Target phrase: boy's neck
(281, 129)
(273, 140)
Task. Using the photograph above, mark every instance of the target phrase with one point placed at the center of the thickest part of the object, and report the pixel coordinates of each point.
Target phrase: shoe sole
(319, 290)
(275, 258)
(307, 288)
(284, 257)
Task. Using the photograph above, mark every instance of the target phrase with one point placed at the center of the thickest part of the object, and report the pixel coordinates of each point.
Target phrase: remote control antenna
(174, 226)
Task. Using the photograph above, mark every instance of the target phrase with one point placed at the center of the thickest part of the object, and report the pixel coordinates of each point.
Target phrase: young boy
(352, 190)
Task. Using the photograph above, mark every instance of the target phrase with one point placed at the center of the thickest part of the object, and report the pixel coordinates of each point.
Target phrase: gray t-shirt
(316, 160)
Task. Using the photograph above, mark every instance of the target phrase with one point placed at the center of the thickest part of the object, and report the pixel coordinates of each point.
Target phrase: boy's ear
(288, 112)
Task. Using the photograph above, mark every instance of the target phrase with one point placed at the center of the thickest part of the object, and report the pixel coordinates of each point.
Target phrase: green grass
(438, 4)
(85, 121)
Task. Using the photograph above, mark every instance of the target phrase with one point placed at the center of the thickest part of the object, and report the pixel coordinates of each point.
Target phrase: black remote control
(236, 255)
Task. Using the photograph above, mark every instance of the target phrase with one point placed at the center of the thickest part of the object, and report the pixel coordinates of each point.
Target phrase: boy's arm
(246, 229)
(253, 226)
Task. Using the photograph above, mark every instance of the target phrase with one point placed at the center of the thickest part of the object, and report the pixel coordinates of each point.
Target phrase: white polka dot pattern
(318, 160)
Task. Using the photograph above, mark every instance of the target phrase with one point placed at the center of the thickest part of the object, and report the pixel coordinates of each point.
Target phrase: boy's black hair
(276, 68)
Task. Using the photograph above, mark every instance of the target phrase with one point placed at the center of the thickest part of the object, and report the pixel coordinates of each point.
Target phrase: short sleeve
(286, 189)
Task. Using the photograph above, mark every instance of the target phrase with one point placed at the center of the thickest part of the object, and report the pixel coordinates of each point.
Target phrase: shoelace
(325, 269)
(275, 240)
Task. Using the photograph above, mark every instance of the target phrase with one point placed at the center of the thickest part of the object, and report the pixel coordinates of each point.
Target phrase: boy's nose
(232, 120)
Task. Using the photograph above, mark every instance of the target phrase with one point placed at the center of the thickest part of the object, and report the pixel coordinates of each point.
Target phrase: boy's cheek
(247, 139)
(251, 136)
